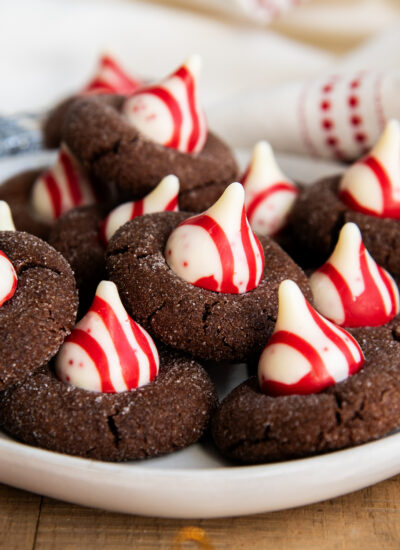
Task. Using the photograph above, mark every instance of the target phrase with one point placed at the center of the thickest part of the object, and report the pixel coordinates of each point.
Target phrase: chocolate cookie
(252, 427)
(53, 123)
(168, 414)
(41, 313)
(207, 324)
(16, 191)
(116, 153)
(76, 235)
(317, 218)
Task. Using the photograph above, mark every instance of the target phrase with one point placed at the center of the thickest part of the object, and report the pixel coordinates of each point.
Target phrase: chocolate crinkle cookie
(165, 415)
(116, 153)
(54, 121)
(36, 319)
(206, 324)
(252, 427)
(76, 235)
(315, 222)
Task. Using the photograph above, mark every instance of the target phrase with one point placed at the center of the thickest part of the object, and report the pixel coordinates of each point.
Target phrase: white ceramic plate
(197, 482)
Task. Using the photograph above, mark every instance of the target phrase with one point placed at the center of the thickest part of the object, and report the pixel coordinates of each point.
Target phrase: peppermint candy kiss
(217, 250)
(8, 279)
(169, 113)
(306, 353)
(350, 288)
(269, 194)
(107, 351)
(110, 78)
(6, 220)
(64, 186)
(163, 198)
(8, 275)
(372, 185)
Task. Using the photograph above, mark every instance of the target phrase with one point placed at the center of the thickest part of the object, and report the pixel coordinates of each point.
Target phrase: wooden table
(368, 519)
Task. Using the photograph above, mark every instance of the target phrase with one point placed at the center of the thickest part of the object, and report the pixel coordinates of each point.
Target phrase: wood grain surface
(367, 519)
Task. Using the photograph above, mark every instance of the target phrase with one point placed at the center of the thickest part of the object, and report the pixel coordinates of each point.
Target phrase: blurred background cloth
(333, 24)
(258, 54)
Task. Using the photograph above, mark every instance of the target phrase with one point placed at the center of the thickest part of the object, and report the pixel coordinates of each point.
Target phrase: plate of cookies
(189, 331)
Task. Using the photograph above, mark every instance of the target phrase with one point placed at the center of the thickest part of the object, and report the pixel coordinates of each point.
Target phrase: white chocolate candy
(107, 351)
(8, 275)
(270, 195)
(306, 352)
(372, 185)
(170, 113)
(217, 250)
(110, 78)
(6, 219)
(8, 279)
(64, 186)
(163, 198)
(350, 288)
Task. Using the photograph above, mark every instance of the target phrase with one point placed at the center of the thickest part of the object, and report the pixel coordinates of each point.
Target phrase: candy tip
(194, 64)
(263, 159)
(6, 219)
(234, 191)
(288, 289)
(390, 135)
(171, 181)
(394, 124)
(288, 283)
(106, 288)
(262, 147)
(350, 229)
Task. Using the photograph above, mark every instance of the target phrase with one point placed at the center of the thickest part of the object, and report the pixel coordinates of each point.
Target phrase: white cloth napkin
(339, 114)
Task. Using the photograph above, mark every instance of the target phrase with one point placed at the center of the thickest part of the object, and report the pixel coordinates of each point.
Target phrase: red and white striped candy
(110, 78)
(270, 195)
(217, 250)
(107, 351)
(163, 198)
(170, 113)
(350, 288)
(372, 185)
(6, 220)
(8, 275)
(64, 186)
(306, 353)
(8, 279)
